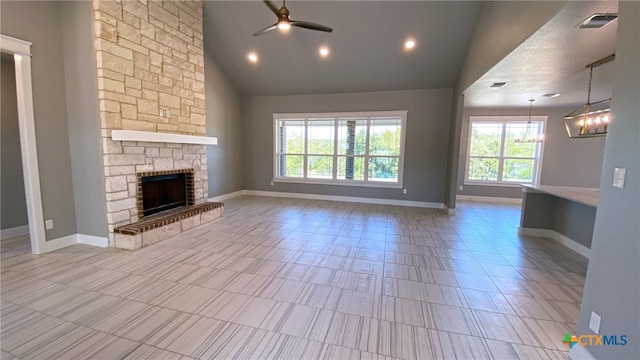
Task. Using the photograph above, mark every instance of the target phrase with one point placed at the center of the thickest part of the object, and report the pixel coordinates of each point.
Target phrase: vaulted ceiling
(367, 54)
(553, 60)
(366, 47)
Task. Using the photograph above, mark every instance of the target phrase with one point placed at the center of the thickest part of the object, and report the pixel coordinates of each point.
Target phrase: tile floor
(301, 279)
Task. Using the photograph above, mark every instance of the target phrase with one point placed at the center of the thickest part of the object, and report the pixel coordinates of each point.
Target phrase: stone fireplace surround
(125, 163)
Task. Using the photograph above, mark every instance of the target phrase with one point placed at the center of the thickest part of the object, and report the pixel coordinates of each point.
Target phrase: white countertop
(586, 196)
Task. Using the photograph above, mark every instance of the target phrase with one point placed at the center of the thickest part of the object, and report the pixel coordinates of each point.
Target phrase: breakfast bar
(564, 213)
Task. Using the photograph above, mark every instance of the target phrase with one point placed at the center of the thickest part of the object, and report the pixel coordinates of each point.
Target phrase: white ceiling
(553, 60)
(366, 45)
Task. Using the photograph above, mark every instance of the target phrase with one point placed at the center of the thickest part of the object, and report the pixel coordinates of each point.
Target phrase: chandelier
(591, 119)
(528, 136)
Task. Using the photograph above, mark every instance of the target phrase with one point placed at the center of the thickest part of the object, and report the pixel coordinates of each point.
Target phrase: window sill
(339, 183)
(496, 184)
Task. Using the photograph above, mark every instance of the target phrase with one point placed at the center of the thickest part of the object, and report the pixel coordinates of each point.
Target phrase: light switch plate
(594, 322)
(48, 224)
(618, 177)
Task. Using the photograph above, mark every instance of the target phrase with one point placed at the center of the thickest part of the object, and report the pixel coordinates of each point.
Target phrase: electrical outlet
(162, 112)
(594, 322)
(404, 191)
(460, 187)
(618, 177)
(272, 183)
(48, 224)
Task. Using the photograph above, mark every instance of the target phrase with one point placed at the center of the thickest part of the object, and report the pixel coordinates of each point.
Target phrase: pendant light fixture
(591, 119)
(528, 136)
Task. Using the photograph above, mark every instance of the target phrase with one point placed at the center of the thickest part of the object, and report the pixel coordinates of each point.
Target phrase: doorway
(14, 223)
(21, 52)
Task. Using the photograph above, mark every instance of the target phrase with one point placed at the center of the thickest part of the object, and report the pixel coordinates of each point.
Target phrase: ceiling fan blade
(272, 7)
(266, 30)
(311, 26)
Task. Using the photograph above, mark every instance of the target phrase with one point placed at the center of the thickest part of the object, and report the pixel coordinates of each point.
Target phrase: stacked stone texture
(149, 57)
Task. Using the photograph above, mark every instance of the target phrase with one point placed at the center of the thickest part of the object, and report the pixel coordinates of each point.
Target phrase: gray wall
(44, 30)
(83, 118)
(224, 120)
(13, 210)
(565, 162)
(501, 27)
(612, 287)
(569, 218)
(426, 141)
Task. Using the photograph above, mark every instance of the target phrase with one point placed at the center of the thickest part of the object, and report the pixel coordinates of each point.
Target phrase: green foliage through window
(359, 149)
(494, 156)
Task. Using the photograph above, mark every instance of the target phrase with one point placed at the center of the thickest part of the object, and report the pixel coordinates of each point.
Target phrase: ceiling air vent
(596, 21)
(498, 84)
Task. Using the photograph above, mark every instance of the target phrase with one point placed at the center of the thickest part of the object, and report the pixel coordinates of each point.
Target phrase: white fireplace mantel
(148, 136)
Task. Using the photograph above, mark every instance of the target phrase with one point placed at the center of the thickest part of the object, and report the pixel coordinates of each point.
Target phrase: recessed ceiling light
(253, 57)
(498, 84)
(409, 44)
(324, 51)
(551, 95)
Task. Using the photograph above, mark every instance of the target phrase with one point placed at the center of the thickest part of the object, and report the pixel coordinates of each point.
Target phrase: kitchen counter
(563, 213)
(586, 196)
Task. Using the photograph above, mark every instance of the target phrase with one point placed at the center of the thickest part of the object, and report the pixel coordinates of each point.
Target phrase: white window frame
(402, 114)
(505, 120)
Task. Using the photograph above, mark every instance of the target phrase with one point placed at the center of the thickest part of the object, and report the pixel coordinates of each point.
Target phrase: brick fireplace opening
(166, 205)
(160, 191)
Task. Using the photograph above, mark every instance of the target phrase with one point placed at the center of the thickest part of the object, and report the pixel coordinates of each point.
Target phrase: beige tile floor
(301, 279)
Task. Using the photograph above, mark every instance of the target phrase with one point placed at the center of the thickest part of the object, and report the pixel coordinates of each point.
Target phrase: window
(362, 149)
(493, 155)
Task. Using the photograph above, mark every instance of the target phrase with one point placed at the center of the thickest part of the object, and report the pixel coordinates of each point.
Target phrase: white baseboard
(93, 240)
(228, 196)
(489, 199)
(570, 243)
(449, 211)
(579, 352)
(13, 232)
(59, 243)
(421, 204)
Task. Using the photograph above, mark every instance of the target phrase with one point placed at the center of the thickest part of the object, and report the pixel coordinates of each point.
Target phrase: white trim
(14, 232)
(73, 239)
(489, 199)
(149, 136)
(579, 352)
(548, 233)
(228, 196)
(494, 184)
(421, 204)
(15, 46)
(59, 243)
(410, 203)
(21, 51)
(335, 116)
(93, 240)
(504, 120)
(375, 184)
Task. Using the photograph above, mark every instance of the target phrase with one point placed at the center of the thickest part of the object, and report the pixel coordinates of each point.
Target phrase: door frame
(21, 51)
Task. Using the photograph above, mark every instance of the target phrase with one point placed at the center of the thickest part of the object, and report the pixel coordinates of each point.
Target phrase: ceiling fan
(284, 22)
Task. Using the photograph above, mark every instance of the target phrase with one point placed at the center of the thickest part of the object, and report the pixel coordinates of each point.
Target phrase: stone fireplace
(150, 77)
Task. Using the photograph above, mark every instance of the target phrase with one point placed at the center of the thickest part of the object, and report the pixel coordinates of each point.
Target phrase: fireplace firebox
(164, 190)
